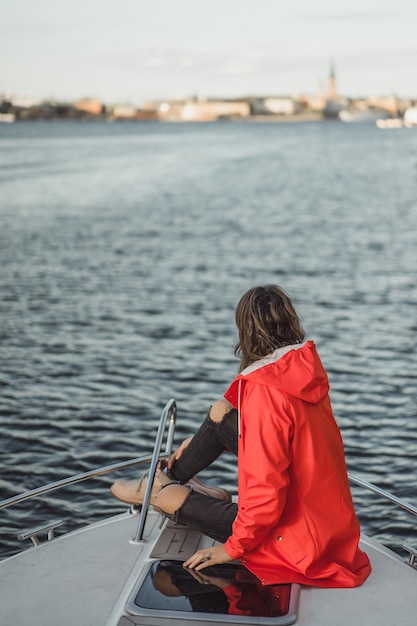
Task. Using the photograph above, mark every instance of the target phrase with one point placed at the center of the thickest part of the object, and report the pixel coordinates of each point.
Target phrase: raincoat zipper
(238, 408)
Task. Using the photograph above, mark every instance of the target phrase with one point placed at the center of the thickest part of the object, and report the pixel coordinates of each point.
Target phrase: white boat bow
(103, 574)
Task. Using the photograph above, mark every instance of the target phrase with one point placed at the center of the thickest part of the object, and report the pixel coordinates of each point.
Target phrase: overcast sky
(138, 50)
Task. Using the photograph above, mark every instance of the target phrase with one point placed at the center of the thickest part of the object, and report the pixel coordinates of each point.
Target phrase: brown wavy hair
(266, 320)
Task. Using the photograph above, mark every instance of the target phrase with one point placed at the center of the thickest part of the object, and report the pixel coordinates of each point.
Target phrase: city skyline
(134, 51)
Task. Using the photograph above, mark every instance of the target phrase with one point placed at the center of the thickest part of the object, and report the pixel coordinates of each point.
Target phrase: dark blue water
(124, 249)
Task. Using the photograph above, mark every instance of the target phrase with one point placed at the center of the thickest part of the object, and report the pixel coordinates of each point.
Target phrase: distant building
(210, 110)
(389, 104)
(167, 110)
(129, 112)
(24, 102)
(124, 111)
(276, 105)
(199, 110)
(317, 102)
(89, 105)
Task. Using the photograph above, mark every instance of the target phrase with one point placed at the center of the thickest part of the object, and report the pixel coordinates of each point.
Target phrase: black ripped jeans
(209, 515)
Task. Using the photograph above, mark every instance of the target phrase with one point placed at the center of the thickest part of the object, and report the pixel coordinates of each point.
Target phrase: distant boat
(410, 117)
(333, 108)
(366, 115)
(390, 122)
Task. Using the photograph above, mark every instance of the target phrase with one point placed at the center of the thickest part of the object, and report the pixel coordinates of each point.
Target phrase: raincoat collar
(271, 358)
(296, 370)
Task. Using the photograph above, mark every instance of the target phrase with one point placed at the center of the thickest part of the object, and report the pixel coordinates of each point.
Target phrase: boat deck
(99, 566)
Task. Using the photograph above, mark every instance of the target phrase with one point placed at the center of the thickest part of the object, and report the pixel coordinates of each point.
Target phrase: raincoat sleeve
(263, 467)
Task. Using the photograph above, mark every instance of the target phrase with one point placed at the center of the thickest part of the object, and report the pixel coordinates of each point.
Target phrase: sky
(134, 51)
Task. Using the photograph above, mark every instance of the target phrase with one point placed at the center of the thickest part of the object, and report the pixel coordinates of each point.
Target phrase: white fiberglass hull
(87, 576)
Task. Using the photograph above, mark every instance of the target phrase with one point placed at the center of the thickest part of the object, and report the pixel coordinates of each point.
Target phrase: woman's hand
(208, 557)
(178, 453)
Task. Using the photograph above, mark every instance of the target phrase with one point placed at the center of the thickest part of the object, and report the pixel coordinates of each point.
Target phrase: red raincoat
(296, 520)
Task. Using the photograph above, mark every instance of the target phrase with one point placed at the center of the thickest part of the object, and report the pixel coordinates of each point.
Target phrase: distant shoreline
(279, 119)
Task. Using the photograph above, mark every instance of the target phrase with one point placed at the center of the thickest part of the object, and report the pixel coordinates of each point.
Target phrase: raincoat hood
(296, 369)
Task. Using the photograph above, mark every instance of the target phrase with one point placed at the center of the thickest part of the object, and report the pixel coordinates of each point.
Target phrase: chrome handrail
(71, 480)
(170, 411)
(101, 471)
(381, 492)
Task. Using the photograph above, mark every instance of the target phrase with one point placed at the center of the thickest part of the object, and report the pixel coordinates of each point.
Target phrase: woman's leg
(211, 516)
(217, 433)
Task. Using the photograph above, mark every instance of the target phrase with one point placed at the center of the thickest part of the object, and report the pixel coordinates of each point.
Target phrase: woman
(295, 520)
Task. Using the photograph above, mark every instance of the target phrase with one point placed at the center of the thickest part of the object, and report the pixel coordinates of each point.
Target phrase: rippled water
(124, 249)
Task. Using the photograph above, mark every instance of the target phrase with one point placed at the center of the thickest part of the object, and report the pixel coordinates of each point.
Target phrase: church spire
(332, 82)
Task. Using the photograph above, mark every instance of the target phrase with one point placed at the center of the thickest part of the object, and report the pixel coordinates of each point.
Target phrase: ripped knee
(171, 497)
(219, 410)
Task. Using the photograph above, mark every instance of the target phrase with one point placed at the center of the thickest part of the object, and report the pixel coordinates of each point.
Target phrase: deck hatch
(168, 592)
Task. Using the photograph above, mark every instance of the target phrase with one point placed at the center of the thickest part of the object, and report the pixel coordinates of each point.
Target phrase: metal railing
(384, 494)
(412, 558)
(169, 412)
(71, 480)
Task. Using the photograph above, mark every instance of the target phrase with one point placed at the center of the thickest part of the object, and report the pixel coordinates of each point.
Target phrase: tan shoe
(133, 491)
(214, 492)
